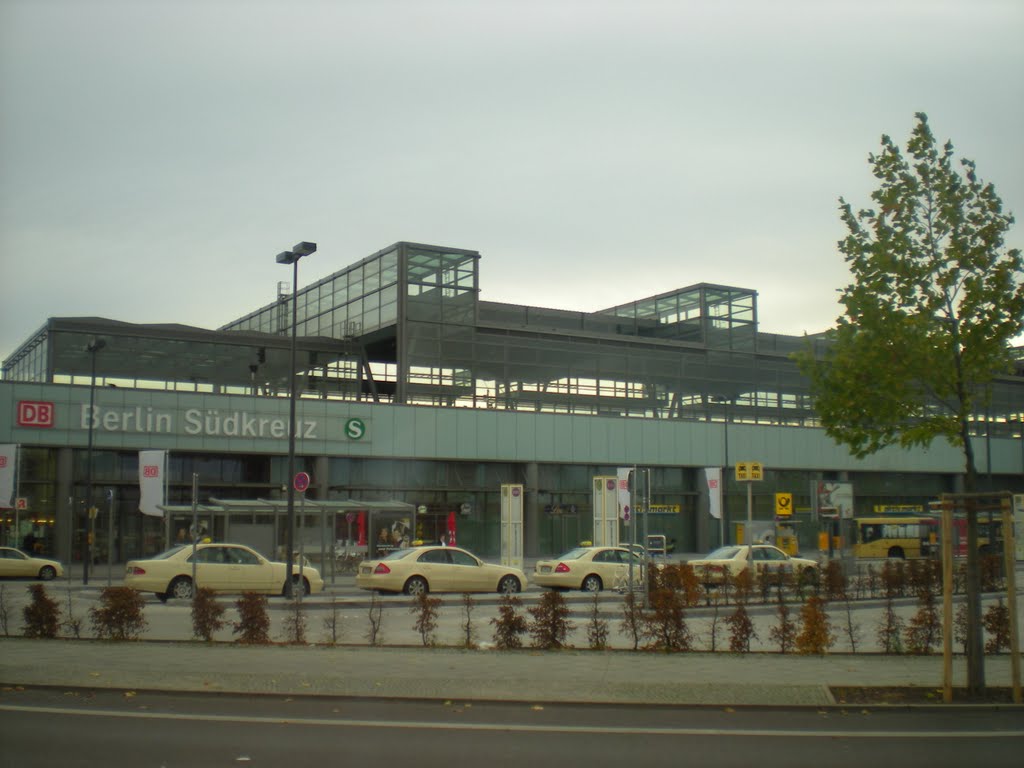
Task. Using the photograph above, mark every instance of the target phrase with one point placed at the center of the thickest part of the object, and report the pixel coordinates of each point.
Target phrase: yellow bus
(898, 537)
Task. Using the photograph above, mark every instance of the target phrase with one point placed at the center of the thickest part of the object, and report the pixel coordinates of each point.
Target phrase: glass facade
(358, 300)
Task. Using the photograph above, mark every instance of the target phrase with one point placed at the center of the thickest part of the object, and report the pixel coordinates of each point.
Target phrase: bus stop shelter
(325, 530)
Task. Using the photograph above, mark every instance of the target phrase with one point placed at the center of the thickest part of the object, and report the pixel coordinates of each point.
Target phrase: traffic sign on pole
(301, 482)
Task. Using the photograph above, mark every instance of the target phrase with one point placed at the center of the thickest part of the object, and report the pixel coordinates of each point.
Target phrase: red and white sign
(33, 413)
(21, 503)
(151, 486)
(301, 481)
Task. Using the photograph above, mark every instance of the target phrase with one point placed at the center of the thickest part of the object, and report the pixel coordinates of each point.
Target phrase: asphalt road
(113, 729)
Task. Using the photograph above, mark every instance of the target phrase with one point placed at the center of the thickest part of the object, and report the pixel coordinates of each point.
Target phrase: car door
(770, 559)
(612, 566)
(435, 566)
(467, 575)
(211, 571)
(250, 573)
(13, 563)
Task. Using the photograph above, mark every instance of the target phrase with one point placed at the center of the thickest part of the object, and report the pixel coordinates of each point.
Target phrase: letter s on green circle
(355, 429)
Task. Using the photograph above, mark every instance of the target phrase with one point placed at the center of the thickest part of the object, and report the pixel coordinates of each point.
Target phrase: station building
(419, 403)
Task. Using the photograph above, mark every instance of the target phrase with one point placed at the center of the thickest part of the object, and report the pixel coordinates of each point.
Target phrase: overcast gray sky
(155, 155)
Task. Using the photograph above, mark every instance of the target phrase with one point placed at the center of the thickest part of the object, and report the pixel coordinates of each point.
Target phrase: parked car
(418, 570)
(590, 569)
(15, 564)
(733, 559)
(228, 568)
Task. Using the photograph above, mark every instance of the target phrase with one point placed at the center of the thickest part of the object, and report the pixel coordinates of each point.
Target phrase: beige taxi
(228, 568)
(418, 570)
(590, 569)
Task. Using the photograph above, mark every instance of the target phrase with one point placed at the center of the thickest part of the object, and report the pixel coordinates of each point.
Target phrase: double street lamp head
(296, 253)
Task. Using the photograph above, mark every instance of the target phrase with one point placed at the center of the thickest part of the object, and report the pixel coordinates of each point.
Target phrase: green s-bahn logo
(355, 429)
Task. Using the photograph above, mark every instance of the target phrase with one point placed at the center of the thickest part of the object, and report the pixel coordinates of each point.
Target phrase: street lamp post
(725, 470)
(94, 346)
(292, 257)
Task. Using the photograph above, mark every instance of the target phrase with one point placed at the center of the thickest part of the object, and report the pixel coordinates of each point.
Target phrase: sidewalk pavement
(528, 676)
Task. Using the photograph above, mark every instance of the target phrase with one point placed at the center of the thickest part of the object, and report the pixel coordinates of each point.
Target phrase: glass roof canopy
(412, 314)
(169, 353)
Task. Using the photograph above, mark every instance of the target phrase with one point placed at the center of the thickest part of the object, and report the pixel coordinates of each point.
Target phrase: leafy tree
(997, 624)
(550, 625)
(741, 630)
(815, 635)
(426, 609)
(509, 625)
(42, 615)
(120, 614)
(632, 618)
(597, 626)
(468, 627)
(665, 625)
(935, 302)
(207, 614)
(784, 633)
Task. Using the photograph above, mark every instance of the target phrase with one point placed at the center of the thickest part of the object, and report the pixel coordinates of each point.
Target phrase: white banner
(714, 480)
(835, 499)
(8, 459)
(152, 465)
(622, 486)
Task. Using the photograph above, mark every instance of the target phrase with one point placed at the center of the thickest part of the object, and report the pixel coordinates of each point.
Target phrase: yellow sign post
(749, 472)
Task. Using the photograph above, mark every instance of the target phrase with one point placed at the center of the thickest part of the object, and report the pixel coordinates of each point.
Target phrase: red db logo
(35, 414)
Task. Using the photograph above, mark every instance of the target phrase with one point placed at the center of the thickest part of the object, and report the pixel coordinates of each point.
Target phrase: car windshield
(398, 554)
(574, 554)
(722, 553)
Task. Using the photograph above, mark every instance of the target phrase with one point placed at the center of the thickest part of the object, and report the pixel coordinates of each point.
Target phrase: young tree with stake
(935, 302)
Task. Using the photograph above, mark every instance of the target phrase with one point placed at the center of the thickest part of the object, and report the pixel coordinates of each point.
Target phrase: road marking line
(522, 727)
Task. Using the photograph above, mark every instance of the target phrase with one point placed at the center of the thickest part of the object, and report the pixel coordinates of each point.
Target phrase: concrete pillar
(321, 478)
(702, 529)
(65, 506)
(531, 512)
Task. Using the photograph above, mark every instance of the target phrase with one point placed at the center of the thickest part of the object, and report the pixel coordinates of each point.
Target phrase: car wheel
(416, 586)
(592, 583)
(896, 552)
(162, 596)
(509, 585)
(181, 588)
(47, 573)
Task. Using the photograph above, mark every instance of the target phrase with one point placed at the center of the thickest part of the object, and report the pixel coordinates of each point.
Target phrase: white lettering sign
(200, 422)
